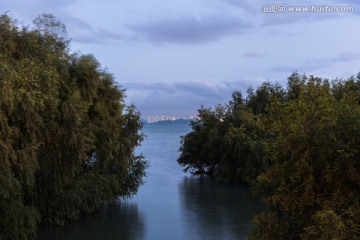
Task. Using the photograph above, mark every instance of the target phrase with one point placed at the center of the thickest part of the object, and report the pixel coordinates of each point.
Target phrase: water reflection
(120, 221)
(213, 210)
(171, 205)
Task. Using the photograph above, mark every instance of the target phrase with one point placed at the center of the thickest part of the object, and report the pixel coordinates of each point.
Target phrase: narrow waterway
(171, 205)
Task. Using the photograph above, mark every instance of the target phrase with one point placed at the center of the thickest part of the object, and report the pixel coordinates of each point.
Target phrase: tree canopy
(313, 185)
(298, 147)
(67, 139)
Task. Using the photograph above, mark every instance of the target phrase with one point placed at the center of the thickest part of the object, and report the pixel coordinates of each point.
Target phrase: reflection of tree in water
(217, 211)
(120, 221)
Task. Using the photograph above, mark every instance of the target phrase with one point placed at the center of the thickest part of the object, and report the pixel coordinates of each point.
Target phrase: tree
(312, 187)
(264, 94)
(67, 139)
(300, 149)
(224, 142)
(202, 148)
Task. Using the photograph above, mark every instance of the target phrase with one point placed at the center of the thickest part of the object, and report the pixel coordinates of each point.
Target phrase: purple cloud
(180, 97)
(346, 57)
(191, 30)
(243, 4)
(318, 63)
(253, 55)
(83, 32)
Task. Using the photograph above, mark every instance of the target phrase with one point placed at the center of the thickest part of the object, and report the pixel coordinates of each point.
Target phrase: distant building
(158, 118)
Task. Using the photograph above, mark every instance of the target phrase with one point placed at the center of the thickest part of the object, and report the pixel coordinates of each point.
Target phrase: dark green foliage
(66, 137)
(225, 142)
(201, 149)
(263, 95)
(228, 142)
(313, 185)
(299, 147)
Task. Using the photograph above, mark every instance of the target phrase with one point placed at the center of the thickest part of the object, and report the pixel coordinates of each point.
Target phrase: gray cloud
(78, 29)
(286, 18)
(182, 98)
(28, 10)
(54, 3)
(191, 30)
(205, 89)
(256, 9)
(253, 54)
(318, 63)
(269, 19)
(40, 4)
(83, 32)
(346, 57)
(243, 4)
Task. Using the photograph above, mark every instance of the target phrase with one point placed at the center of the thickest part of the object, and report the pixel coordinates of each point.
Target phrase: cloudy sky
(173, 56)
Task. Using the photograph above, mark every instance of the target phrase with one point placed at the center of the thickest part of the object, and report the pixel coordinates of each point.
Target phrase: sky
(173, 56)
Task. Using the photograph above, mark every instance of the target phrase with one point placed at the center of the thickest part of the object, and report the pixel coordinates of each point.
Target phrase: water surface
(171, 205)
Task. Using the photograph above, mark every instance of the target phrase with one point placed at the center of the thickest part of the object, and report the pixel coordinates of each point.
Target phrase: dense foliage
(299, 146)
(313, 185)
(66, 137)
(227, 142)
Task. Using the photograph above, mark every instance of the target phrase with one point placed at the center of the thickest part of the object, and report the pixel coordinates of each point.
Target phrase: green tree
(225, 142)
(202, 148)
(67, 139)
(312, 186)
(263, 95)
(298, 147)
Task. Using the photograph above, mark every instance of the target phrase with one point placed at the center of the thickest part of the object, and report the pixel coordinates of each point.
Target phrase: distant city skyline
(173, 56)
(158, 118)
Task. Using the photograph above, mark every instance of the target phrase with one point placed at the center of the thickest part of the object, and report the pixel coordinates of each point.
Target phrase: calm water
(171, 205)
